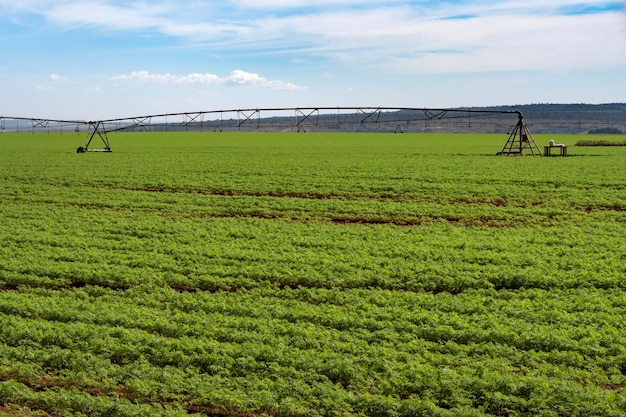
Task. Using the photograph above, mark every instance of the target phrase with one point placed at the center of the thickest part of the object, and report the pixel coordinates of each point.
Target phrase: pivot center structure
(520, 140)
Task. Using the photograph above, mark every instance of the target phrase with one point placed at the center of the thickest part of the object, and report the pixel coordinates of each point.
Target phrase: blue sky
(98, 59)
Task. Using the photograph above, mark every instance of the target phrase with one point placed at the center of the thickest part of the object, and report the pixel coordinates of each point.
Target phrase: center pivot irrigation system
(394, 119)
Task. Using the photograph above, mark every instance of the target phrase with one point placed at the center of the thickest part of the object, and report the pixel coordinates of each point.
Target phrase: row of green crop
(65, 247)
(374, 167)
(542, 209)
(471, 317)
(499, 194)
(232, 348)
(73, 402)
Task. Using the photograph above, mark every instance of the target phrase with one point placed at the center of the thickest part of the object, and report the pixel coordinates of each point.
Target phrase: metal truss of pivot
(370, 116)
(40, 124)
(304, 119)
(520, 140)
(437, 114)
(245, 116)
(193, 120)
(99, 130)
(140, 124)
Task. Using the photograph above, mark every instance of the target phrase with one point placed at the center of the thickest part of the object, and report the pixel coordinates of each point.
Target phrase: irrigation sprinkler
(392, 119)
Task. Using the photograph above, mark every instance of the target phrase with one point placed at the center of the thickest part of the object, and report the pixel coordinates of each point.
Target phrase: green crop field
(310, 274)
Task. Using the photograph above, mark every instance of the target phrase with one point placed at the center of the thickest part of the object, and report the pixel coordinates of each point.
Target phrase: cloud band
(236, 77)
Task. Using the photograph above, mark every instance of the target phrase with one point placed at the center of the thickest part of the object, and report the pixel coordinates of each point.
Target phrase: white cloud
(363, 33)
(237, 77)
(404, 41)
(240, 77)
(167, 78)
(107, 14)
(294, 4)
(57, 77)
(55, 83)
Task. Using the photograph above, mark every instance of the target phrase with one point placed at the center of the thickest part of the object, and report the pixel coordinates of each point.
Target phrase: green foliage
(310, 275)
(600, 143)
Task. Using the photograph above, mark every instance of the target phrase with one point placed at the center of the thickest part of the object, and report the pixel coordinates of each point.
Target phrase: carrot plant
(310, 274)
